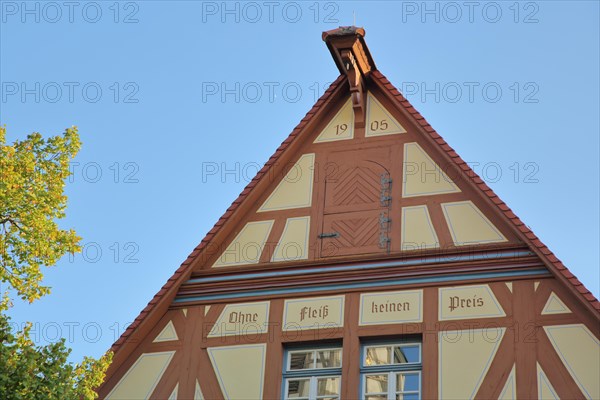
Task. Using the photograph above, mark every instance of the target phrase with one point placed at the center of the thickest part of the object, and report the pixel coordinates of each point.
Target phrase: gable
(355, 190)
(375, 190)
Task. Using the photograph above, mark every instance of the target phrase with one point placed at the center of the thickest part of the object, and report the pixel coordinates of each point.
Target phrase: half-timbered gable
(365, 260)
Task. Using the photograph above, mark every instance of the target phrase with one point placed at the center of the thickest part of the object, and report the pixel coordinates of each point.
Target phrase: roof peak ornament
(353, 58)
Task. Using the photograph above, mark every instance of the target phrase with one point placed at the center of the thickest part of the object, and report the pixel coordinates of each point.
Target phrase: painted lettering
(238, 317)
(389, 307)
(459, 302)
(314, 313)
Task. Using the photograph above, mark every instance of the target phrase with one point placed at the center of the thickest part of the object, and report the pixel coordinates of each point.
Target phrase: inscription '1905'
(461, 302)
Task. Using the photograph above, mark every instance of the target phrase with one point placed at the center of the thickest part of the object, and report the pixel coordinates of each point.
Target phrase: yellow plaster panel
(293, 244)
(545, 389)
(313, 313)
(422, 176)
(173, 395)
(184, 310)
(417, 229)
(464, 302)
(579, 351)
(167, 334)
(143, 376)
(242, 319)
(239, 370)
(295, 189)
(341, 127)
(206, 309)
(468, 225)
(509, 286)
(247, 245)
(554, 305)
(391, 307)
(379, 121)
(464, 359)
(510, 388)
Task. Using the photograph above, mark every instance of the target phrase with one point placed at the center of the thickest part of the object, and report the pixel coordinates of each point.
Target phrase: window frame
(312, 374)
(391, 369)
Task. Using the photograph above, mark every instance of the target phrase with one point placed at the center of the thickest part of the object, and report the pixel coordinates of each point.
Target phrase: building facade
(366, 260)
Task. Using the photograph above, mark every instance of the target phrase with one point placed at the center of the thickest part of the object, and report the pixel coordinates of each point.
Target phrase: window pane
(411, 396)
(376, 384)
(329, 359)
(376, 397)
(406, 354)
(301, 360)
(328, 386)
(377, 356)
(407, 382)
(298, 388)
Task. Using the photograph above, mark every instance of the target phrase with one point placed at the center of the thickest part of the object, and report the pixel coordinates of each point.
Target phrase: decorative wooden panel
(353, 203)
(358, 233)
(353, 181)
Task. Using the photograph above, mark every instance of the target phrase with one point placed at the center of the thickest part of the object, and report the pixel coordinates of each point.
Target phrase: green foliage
(29, 372)
(32, 180)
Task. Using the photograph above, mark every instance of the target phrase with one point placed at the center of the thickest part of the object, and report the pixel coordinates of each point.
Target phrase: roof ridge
(530, 238)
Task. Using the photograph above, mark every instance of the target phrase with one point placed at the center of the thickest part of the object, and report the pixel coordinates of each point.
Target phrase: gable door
(357, 190)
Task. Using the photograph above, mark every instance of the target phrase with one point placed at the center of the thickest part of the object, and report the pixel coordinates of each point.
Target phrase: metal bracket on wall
(328, 235)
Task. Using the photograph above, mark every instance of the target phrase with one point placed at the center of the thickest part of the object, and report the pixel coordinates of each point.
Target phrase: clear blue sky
(513, 88)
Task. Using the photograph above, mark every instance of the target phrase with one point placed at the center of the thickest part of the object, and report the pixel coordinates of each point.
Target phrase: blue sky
(162, 91)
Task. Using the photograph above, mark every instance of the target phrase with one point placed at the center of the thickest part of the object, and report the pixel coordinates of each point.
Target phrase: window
(391, 371)
(313, 373)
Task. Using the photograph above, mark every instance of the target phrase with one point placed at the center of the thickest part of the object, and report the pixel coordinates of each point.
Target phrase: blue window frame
(313, 373)
(391, 370)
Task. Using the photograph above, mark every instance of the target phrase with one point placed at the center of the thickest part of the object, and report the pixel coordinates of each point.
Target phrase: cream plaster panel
(173, 395)
(334, 130)
(465, 302)
(554, 305)
(510, 388)
(293, 244)
(417, 229)
(247, 245)
(240, 370)
(242, 319)
(422, 176)
(545, 389)
(313, 313)
(468, 225)
(579, 351)
(464, 359)
(198, 393)
(167, 334)
(379, 121)
(295, 189)
(391, 307)
(143, 376)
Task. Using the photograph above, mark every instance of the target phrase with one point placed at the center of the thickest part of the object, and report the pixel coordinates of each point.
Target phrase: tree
(32, 180)
(30, 372)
